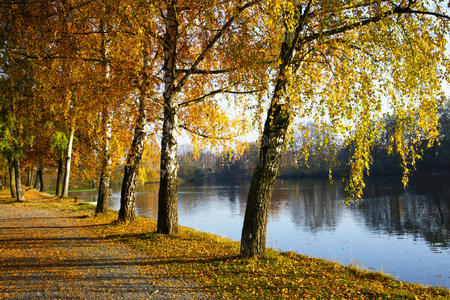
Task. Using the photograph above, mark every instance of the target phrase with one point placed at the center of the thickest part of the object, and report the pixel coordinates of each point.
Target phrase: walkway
(49, 254)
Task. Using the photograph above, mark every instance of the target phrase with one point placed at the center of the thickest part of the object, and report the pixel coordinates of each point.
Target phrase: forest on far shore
(293, 164)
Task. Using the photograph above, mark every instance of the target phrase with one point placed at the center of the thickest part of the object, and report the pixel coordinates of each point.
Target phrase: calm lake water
(402, 233)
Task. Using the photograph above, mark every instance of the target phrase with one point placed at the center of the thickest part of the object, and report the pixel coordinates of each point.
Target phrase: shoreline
(213, 262)
(435, 274)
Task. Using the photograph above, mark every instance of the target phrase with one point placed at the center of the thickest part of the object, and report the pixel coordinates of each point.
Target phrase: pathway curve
(48, 254)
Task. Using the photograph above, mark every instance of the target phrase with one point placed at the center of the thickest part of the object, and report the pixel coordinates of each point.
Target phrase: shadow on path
(48, 254)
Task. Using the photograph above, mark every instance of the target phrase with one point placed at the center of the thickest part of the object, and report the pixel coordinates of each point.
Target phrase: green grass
(83, 207)
(74, 191)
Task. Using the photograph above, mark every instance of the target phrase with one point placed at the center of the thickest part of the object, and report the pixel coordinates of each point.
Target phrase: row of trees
(114, 76)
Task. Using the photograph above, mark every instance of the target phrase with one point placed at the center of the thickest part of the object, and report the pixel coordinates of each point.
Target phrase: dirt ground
(51, 254)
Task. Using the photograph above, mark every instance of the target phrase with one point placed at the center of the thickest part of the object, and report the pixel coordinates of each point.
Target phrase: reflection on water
(414, 213)
(312, 205)
(403, 233)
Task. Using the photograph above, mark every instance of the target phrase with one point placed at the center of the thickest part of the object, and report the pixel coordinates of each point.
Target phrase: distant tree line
(293, 164)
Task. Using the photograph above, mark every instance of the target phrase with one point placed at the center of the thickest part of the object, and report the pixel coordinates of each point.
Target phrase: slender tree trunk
(59, 177)
(39, 175)
(19, 191)
(32, 176)
(253, 240)
(167, 196)
(29, 172)
(65, 190)
(36, 180)
(127, 212)
(105, 176)
(12, 178)
(37, 184)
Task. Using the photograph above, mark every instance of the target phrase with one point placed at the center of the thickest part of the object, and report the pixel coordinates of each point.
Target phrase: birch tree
(344, 64)
(201, 51)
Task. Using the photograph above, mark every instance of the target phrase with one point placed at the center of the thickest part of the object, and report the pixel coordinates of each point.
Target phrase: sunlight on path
(49, 254)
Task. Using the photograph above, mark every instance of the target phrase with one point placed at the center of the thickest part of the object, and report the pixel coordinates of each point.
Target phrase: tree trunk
(3, 182)
(65, 190)
(29, 172)
(167, 196)
(19, 191)
(59, 177)
(253, 240)
(12, 178)
(41, 179)
(37, 183)
(32, 177)
(105, 177)
(36, 180)
(127, 212)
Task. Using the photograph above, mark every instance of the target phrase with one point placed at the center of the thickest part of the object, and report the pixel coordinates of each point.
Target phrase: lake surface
(402, 233)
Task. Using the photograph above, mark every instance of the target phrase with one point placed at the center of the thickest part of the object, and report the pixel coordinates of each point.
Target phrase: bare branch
(198, 71)
(206, 136)
(243, 92)
(224, 90)
(199, 99)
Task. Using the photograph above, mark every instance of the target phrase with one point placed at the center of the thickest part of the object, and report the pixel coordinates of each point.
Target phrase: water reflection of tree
(315, 204)
(194, 196)
(147, 200)
(216, 194)
(422, 211)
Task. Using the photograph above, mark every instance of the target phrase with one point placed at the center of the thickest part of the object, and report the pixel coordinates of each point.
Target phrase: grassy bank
(72, 191)
(213, 261)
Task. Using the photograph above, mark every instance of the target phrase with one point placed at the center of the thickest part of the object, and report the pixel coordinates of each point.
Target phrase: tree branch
(215, 92)
(342, 8)
(242, 93)
(199, 71)
(200, 99)
(203, 135)
(396, 10)
(80, 5)
(47, 56)
(430, 13)
(212, 42)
